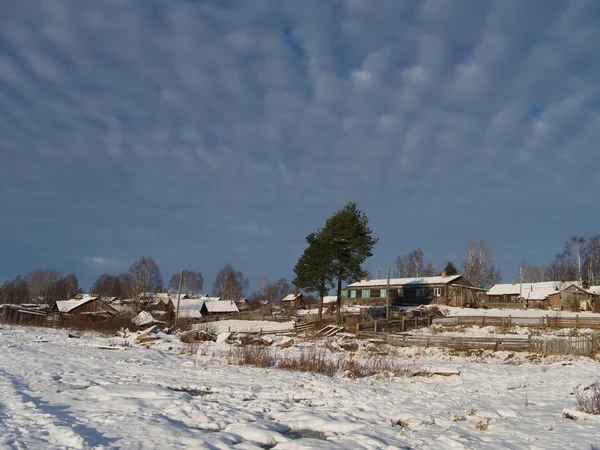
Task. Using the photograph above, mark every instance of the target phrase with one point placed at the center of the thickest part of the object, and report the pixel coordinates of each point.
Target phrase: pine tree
(349, 242)
(313, 270)
(450, 269)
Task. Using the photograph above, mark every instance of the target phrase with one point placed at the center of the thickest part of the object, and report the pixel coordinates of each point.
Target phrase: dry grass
(588, 399)
(191, 348)
(399, 423)
(253, 355)
(482, 424)
(311, 360)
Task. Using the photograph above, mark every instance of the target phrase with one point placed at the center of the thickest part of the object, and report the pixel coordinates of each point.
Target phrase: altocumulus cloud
(140, 126)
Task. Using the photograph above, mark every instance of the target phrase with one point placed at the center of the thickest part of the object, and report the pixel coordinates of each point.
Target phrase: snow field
(59, 392)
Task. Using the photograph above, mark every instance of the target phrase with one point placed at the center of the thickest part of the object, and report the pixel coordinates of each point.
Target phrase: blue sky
(211, 132)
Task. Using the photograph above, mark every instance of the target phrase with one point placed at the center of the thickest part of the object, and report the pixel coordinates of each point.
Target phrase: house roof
(221, 306)
(189, 308)
(291, 297)
(594, 290)
(329, 299)
(405, 281)
(66, 306)
(532, 291)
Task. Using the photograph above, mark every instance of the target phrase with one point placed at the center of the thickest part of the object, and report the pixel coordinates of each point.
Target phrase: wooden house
(23, 314)
(571, 297)
(557, 295)
(453, 290)
(87, 304)
(293, 302)
(220, 307)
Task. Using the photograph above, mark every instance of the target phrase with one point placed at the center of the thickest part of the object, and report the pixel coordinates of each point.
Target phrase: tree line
(579, 260)
(143, 277)
(476, 265)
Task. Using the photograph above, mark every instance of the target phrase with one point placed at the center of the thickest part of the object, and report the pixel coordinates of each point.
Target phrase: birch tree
(478, 264)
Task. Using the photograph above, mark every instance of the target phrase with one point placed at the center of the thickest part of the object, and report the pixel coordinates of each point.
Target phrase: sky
(203, 133)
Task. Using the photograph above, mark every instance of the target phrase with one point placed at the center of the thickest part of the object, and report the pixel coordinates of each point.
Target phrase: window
(437, 292)
(420, 292)
(365, 293)
(344, 293)
(400, 292)
(383, 293)
(352, 293)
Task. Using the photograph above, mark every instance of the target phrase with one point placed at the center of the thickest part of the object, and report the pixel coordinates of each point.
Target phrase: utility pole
(178, 298)
(387, 296)
(521, 286)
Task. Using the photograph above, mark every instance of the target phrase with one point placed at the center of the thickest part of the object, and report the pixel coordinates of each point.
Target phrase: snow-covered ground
(453, 311)
(98, 392)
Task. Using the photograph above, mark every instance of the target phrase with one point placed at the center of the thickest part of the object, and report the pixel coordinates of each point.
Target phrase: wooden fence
(581, 345)
(535, 322)
(401, 324)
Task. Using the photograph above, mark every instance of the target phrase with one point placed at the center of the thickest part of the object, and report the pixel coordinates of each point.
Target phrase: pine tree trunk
(339, 300)
(320, 307)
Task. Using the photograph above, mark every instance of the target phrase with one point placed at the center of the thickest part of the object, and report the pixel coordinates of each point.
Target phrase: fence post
(416, 323)
(403, 323)
(457, 320)
(509, 321)
(577, 321)
(375, 329)
(483, 321)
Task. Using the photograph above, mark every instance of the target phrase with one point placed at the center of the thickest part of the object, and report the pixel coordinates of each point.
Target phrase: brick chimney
(443, 274)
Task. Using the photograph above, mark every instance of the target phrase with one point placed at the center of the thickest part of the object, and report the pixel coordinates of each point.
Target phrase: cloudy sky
(224, 131)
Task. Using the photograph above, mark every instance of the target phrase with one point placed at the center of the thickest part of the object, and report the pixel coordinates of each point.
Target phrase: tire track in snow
(30, 422)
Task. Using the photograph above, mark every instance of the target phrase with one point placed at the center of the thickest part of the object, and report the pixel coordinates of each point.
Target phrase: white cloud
(102, 261)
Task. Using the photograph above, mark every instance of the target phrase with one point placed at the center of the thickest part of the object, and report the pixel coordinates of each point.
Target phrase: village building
(26, 314)
(220, 307)
(556, 295)
(293, 302)
(89, 305)
(452, 290)
(189, 309)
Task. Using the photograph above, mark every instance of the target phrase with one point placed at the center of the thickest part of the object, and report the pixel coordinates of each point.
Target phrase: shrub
(482, 424)
(588, 399)
(191, 348)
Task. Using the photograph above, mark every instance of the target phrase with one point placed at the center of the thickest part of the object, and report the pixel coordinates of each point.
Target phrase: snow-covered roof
(221, 306)
(291, 297)
(329, 299)
(594, 290)
(405, 281)
(66, 306)
(144, 318)
(531, 291)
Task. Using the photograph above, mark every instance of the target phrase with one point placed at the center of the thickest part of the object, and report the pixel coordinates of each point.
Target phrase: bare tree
(108, 286)
(478, 264)
(269, 292)
(284, 288)
(568, 265)
(592, 264)
(145, 277)
(192, 283)
(40, 282)
(412, 265)
(230, 284)
(15, 291)
(530, 273)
